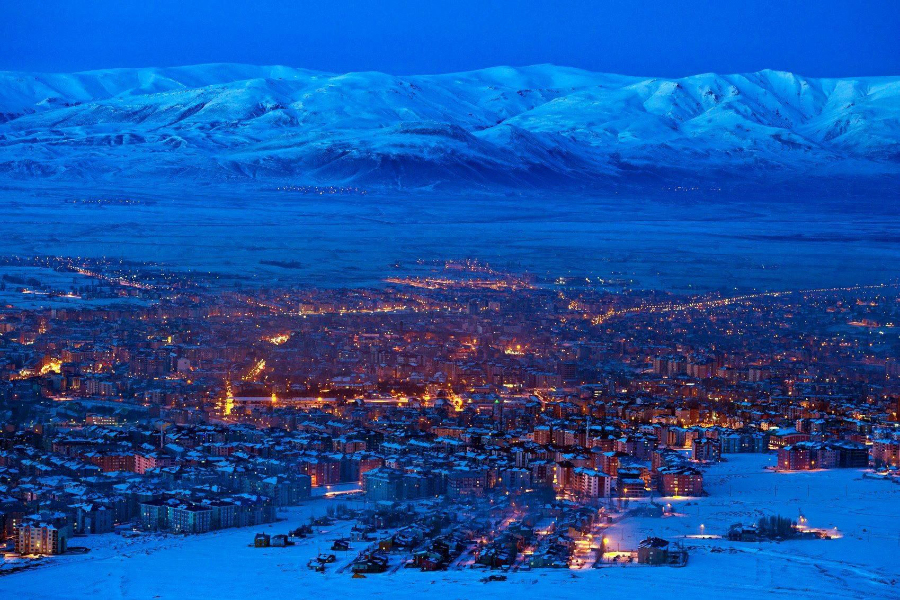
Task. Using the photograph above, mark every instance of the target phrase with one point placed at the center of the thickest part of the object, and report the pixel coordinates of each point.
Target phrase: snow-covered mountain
(533, 126)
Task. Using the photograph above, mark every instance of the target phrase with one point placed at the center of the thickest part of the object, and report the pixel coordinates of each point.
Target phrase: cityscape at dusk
(418, 311)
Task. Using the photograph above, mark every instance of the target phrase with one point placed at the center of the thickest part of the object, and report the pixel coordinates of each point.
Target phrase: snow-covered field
(680, 244)
(860, 563)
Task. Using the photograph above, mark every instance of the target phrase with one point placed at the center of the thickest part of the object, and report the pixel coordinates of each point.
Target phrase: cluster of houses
(197, 478)
(97, 480)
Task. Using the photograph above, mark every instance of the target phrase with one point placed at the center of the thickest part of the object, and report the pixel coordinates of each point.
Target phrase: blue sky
(652, 37)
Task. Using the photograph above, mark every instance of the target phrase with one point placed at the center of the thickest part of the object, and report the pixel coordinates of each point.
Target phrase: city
(468, 419)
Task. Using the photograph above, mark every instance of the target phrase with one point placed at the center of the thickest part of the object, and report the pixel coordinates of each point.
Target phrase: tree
(776, 526)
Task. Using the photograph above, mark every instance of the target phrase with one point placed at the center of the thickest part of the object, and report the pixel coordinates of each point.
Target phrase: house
(744, 442)
(285, 491)
(795, 458)
(428, 561)
(787, 437)
(657, 551)
(589, 483)
(372, 562)
(190, 518)
(466, 483)
(743, 533)
(706, 450)
(154, 514)
(384, 483)
(653, 551)
(41, 538)
(341, 545)
(630, 486)
(886, 453)
(93, 518)
(680, 481)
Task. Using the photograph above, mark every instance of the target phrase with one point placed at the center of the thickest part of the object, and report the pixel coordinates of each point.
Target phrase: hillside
(539, 126)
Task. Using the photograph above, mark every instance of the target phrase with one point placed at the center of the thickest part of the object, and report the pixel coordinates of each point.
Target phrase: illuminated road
(719, 302)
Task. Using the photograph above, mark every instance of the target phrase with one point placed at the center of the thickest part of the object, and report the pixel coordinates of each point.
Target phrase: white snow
(481, 127)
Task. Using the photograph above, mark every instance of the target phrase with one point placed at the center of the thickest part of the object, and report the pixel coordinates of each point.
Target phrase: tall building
(41, 538)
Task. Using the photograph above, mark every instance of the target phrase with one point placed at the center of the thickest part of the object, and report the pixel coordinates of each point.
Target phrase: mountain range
(541, 126)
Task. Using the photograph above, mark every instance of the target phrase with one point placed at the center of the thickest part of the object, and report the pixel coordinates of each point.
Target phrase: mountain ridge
(541, 126)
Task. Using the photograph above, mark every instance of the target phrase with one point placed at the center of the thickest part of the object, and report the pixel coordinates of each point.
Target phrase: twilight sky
(638, 37)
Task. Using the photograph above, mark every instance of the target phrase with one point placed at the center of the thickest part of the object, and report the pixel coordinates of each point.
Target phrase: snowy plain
(680, 242)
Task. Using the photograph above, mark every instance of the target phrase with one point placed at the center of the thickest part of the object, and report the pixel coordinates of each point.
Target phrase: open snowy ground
(861, 563)
(682, 243)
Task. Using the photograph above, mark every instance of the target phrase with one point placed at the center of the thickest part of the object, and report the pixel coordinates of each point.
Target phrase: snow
(272, 123)
(861, 563)
(55, 289)
(353, 240)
